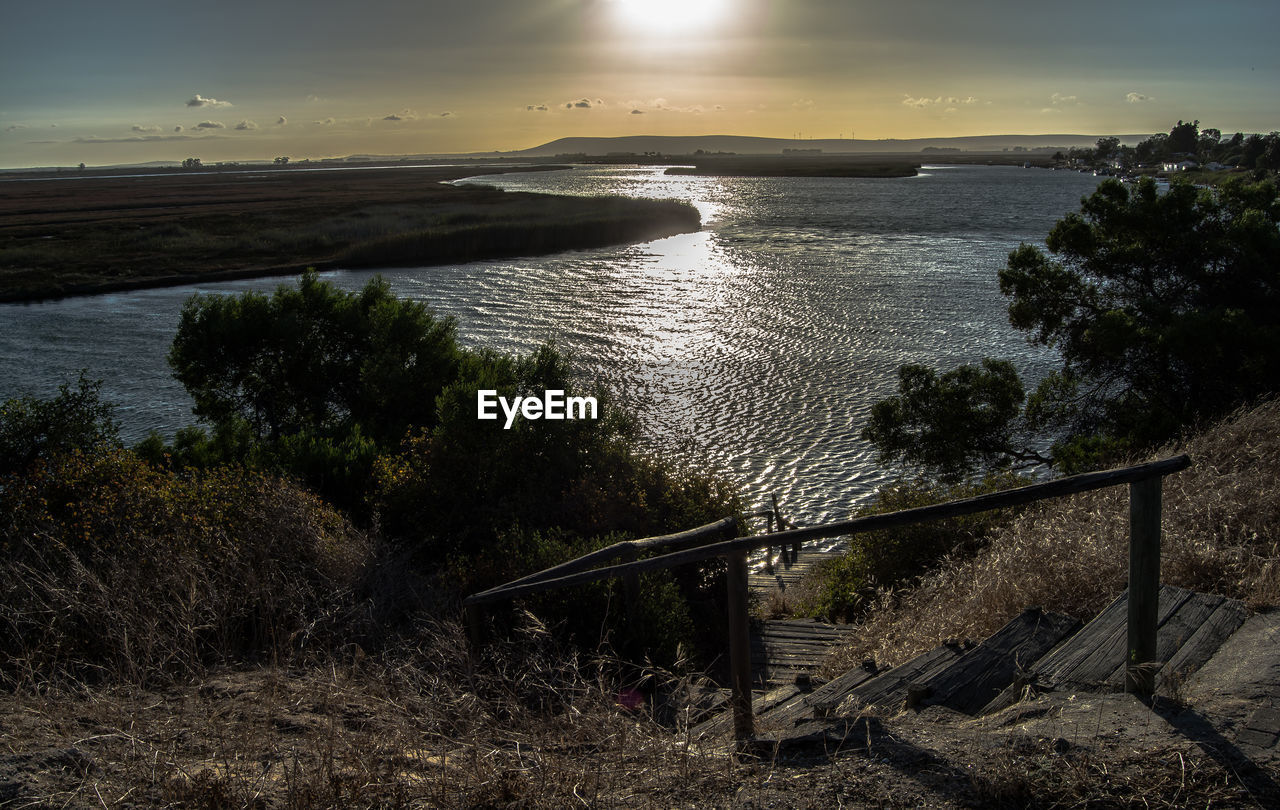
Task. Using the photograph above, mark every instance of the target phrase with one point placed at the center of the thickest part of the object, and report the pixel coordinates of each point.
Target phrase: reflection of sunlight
(683, 297)
(670, 15)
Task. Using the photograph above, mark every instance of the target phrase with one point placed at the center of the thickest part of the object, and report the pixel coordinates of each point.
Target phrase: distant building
(1181, 166)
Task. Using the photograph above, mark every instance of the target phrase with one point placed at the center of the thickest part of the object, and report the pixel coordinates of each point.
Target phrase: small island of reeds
(84, 235)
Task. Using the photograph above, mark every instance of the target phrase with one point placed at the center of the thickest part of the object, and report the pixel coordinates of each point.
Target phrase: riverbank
(81, 236)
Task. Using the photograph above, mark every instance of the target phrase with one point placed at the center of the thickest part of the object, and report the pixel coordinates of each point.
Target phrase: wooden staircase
(1037, 651)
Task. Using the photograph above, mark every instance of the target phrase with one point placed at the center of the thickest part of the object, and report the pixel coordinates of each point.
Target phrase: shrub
(114, 568)
(891, 557)
(76, 419)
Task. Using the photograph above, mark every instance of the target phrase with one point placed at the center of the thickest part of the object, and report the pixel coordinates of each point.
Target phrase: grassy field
(64, 237)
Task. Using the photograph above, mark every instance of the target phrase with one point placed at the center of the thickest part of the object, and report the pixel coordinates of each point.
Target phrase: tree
(954, 423)
(191, 163)
(1165, 309)
(1184, 137)
(76, 419)
(315, 359)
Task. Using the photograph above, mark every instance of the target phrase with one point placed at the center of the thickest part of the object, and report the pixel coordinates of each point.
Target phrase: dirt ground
(344, 737)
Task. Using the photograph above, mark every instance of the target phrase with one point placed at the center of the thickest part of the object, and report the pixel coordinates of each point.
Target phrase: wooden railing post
(1144, 582)
(739, 647)
(475, 628)
(630, 587)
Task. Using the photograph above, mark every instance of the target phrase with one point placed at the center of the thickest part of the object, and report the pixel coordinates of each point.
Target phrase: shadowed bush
(113, 569)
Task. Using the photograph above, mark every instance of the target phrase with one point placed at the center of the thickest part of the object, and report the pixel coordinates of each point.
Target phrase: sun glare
(671, 15)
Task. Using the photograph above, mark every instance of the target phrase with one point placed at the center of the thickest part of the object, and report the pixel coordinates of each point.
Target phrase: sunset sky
(136, 80)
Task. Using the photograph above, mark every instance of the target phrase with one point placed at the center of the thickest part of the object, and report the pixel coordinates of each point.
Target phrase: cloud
(448, 114)
(1050, 110)
(281, 121)
(662, 105)
(178, 128)
(246, 125)
(1059, 99)
(536, 108)
(15, 127)
(718, 107)
(637, 112)
(403, 115)
(924, 102)
(1137, 98)
(146, 139)
(802, 103)
(145, 130)
(313, 99)
(920, 103)
(210, 125)
(327, 122)
(200, 101)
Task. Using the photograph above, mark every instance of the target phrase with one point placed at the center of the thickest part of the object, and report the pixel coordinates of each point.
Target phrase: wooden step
(983, 672)
(1191, 627)
(781, 650)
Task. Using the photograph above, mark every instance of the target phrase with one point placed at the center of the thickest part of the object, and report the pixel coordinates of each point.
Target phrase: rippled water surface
(754, 347)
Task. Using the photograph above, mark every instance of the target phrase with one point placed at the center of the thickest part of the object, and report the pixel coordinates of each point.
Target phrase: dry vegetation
(1221, 521)
(260, 673)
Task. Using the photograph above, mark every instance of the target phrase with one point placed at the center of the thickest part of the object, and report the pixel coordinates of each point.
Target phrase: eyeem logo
(552, 405)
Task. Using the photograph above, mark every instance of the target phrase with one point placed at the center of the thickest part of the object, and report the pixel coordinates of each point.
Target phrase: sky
(136, 80)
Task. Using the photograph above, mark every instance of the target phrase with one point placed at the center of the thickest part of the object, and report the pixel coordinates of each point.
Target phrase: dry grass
(529, 726)
(1221, 518)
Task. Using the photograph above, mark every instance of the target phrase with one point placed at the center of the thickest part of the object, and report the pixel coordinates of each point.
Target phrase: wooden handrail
(1144, 551)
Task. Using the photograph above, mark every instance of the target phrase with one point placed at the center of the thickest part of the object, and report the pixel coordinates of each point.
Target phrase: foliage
(461, 485)
(1165, 309)
(889, 558)
(953, 422)
(114, 568)
(76, 419)
(314, 359)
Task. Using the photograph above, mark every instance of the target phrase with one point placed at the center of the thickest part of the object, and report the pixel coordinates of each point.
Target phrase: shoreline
(91, 236)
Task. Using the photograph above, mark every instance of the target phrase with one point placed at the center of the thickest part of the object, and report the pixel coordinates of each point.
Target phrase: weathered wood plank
(1099, 664)
(1205, 641)
(889, 689)
(805, 706)
(1088, 658)
(722, 723)
(1068, 656)
(1174, 631)
(983, 672)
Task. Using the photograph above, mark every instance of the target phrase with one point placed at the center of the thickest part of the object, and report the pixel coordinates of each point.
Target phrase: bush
(76, 419)
(889, 558)
(116, 569)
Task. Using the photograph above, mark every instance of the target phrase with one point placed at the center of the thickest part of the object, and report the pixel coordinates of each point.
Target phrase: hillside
(748, 145)
(533, 724)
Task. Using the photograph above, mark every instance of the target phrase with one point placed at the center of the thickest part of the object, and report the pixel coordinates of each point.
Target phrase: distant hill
(746, 145)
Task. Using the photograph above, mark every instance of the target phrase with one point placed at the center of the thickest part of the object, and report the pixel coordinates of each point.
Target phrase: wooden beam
(1144, 583)
(907, 517)
(740, 647)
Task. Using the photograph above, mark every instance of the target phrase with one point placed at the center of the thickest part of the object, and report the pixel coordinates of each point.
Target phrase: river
(754, 348)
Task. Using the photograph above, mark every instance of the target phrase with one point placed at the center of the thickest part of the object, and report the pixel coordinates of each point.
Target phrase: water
(754, 348)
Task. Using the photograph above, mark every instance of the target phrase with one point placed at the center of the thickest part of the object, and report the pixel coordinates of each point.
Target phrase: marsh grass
(124, 246)
(1220, 535)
